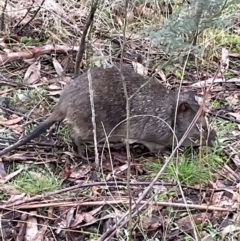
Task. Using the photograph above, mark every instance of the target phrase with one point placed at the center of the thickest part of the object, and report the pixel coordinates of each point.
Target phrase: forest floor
(48, 193)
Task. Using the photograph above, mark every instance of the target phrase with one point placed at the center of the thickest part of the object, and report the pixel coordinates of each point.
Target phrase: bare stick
(3, 16)
(81, 203)
(130, 226)
(93, 119)
(84, 185)
(83, 39)
(30, 20)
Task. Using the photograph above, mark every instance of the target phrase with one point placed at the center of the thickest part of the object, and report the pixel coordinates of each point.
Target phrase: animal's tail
(35, 133)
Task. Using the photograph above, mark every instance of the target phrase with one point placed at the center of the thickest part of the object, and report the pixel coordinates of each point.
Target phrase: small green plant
(29, 41)
(185, 168)
(178, 74)
(215, 104)
(229, 103)
(229, 75)
(226, 39)
(209, 228)
(38, 92)
(2, 196)
(224, 127)
(35, 180)
(29, 98)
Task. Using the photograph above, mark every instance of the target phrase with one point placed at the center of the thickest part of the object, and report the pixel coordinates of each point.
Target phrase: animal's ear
(187, 96)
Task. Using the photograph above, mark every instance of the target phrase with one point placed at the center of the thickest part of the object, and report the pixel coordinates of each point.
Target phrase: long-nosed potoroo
(155, 111)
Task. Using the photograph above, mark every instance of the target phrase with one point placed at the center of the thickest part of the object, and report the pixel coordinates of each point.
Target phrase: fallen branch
(85, 185)
(34, 52)
(125, 201)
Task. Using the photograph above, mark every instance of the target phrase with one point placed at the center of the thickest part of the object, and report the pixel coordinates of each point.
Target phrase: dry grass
(73, 212)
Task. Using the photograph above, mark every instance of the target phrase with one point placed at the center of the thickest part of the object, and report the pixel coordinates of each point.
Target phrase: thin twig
(31, 19)
(3, 16)
(130, 226)
(28, 10)
(121, 201)
(85, 185)
(93, 119)
(83, 39)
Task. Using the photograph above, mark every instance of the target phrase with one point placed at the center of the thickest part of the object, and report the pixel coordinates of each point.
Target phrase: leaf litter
(101, 204)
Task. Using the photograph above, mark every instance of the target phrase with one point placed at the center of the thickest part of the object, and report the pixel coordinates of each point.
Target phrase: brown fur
(152, 111)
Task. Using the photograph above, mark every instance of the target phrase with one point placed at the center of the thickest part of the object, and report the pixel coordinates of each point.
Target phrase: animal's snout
(210, 137)
(208, 134)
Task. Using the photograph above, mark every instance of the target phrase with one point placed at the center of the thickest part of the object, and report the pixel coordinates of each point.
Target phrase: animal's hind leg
(78, 143)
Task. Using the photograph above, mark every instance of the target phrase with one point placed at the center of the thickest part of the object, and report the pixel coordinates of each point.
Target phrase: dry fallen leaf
(159, 189)
(64, 80)
(88, 217)
(67, 170)
(33, 74)
(162, 75)
(16, 197)
(54, 93)
(140, 69)
(56, 7)
(2, 130)
(80, 217)
(14, 11)
(216, 198)
(185, 223)
(32, 227)
(146, 219)
(236, 158)
(10, 190)
(58, 67)
(10, 176)
(230, 229)
(130, 17)
(3, 173)
(236, 115)
(233, 99)
(224, 60)
(70, 217)
(97, 43)
(53, 87)
(80, 172)
(40, 236)
(95, 191)
(144, 11)
(16, 128)
(117, 20)
(43, 81)
(10, 122)
(207, 82)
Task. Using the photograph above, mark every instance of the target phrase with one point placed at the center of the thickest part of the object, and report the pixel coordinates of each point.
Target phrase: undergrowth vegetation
(181, 43)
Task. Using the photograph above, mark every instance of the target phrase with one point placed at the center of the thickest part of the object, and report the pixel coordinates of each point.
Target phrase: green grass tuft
(188, 168)
(35, 180)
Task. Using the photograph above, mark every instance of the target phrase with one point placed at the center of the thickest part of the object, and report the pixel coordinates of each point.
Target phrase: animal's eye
(184, 107)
